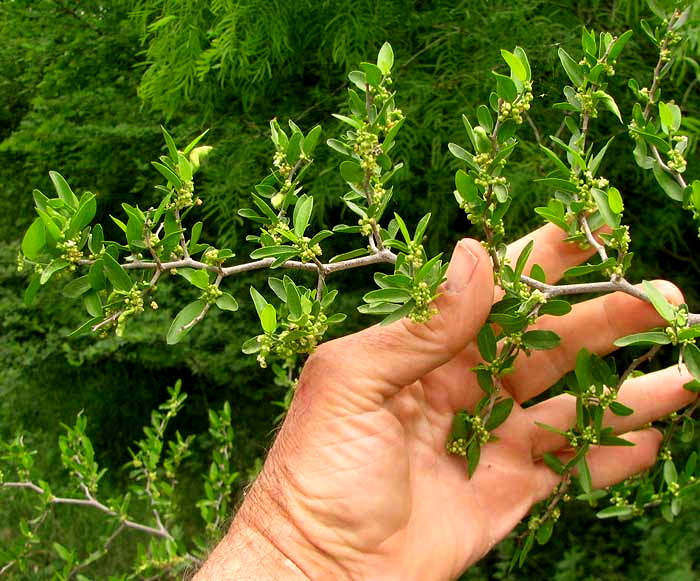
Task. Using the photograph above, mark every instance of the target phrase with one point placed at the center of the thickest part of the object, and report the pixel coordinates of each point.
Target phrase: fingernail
(461, 269)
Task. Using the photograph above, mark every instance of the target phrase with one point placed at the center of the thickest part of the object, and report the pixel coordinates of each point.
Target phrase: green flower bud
(483, 143)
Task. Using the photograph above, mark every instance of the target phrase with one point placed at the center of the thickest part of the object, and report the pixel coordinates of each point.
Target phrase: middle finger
(595, 325)
(651, 396)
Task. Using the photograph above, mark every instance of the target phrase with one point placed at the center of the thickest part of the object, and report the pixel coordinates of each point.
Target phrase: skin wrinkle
(278, 494)
(456, 520)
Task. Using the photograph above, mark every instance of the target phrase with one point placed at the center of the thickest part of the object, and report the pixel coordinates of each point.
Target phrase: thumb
(386, 358)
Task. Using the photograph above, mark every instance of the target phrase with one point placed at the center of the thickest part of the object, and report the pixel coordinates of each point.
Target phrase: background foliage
(83, 90)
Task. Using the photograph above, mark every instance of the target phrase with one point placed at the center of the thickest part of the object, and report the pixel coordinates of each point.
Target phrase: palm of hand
(369, 482)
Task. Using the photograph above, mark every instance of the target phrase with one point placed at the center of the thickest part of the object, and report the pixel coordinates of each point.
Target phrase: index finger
(550, 251)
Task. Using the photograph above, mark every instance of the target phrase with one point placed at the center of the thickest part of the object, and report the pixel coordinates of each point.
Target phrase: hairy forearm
(263, 543)
(249, 553)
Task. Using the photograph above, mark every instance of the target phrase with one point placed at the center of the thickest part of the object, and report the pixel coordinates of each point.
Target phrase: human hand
(358, 484)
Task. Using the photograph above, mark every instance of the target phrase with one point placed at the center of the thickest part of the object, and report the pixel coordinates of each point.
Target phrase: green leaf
(694, 387)
(608, 439)
(63, 190)
(390, 295)
(183, 318)
(473, 456)
(85, 214)
(385, 59)
(601, 199)
(461, 153)
(589, 268)
(594, 164)
(251, 346)
(485, 119)
(662, 306)
(40, 200)
(63, 553)
(194, 142)
(540, 339)
(274, 251)
(302, 213)
(32, 290)
(399, 313)
(561, 166)
(34, 240)
(668, 184)
(559, 184)
(537, 272)
(352, 172)
(294, 146)
(168, 174)
(96, 239)
(509, 323)
(616, 511)
(691, 356)
(515, 64)
(588, 42)
(258, 300)
(198, 278)
(520, 53)
(336, 318)
(620, 409)
(525, 550)
(339, 146)
(670, 472)
(350, 255)
(486, 341)
(359, 79)
(53, 232)
(96, 275)
(652, 139)
(618, 45)
(460, 427)
(608, 102)
(675, 116)
(311, 140)
(555, 307)
(615, 200)
(293, 298)
(268, 319)
(583, 371)
(544, 532)
(551, 429)
(116, 274)
(553, 463)
(319, 237)
(427, 269)
(349, 120)
(505, 88)
(572, 68)
(584, 475)
(522, 259)
(647, 338)
(373, 74)
(574, 154)
(666, 117)
(499, 414)
(554, 213)
(172, 148)
(93, 304)
(76, 287)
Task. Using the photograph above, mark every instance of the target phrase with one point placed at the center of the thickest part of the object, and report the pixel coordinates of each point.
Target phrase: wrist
(263, 543)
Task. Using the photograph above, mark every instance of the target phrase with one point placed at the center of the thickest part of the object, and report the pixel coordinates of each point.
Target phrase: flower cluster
(70, 251)
(516, 110)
